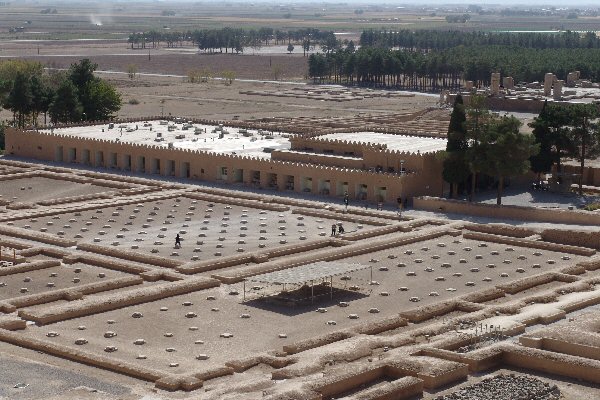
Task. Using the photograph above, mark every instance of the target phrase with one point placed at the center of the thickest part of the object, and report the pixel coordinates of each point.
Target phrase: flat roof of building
(410, 144)
(251, 142)
(248, 142)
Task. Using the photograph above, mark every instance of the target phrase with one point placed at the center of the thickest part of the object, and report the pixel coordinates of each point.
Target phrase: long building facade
(367, 172)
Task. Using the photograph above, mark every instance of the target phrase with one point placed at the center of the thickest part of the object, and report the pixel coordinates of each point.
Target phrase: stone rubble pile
(506, 387)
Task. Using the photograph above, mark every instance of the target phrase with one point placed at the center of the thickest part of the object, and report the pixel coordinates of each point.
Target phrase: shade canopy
(308, 272)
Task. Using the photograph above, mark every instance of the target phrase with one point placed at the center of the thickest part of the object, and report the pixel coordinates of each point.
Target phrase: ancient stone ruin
(97, 278)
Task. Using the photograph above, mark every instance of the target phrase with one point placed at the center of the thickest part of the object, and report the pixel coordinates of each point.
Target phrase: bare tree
(132, 70)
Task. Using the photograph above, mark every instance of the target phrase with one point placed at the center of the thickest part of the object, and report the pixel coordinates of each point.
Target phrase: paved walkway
(524, 196)
(520, 196)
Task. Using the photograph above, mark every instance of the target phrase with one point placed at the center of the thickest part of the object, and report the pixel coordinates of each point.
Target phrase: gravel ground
(523, 196)
(518, 196)
(506, 387)
(43, 380)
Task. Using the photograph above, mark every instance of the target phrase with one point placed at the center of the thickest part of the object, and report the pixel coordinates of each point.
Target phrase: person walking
(333, 227)
(177, 241)
(399, 201)
(346, 200)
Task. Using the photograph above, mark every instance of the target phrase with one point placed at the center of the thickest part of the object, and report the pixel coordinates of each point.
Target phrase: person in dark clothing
(333, 229)
(177, 241)
(399, 200)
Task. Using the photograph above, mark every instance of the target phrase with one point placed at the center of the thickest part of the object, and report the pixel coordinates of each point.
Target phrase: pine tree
(66, 107)
(502, 151)
(584, 133)
(42, 97)
(20, 98)
(106, 101)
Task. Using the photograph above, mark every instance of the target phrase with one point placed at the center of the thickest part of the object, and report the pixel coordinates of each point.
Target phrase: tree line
(387, 69)
(74, 95)
(524, 64)
(441, 40)
(458, 19)
(233, 39)
(484, 149)
(447, 69)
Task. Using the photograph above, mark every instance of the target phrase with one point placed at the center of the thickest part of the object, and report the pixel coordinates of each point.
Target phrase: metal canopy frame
(308, 273)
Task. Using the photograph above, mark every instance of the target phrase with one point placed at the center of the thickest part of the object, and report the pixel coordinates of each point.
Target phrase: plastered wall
(297, 176)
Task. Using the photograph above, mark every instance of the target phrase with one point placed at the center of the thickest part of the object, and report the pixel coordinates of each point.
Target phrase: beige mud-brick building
(369, 166)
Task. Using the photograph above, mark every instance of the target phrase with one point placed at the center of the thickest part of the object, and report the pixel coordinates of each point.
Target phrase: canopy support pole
(312, 292)
(331, 287)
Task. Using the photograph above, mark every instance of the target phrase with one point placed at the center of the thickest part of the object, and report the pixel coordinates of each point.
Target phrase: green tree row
(232, 39)
(70, 96)
(386, 68)
(447, 69)
(458, 19)
(440, 40)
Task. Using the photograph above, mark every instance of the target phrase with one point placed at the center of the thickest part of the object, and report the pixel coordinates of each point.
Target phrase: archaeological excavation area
(260, 299)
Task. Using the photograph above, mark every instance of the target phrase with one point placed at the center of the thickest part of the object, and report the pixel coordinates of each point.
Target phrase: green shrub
(592, 207)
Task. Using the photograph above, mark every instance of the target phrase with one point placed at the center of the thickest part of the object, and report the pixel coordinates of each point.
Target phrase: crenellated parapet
(52, 139)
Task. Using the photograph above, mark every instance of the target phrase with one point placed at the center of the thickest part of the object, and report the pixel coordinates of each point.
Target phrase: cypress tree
(456, 168)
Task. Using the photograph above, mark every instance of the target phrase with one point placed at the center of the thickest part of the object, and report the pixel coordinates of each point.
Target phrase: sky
(527, 3)
(499, 3)
(563, 3)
